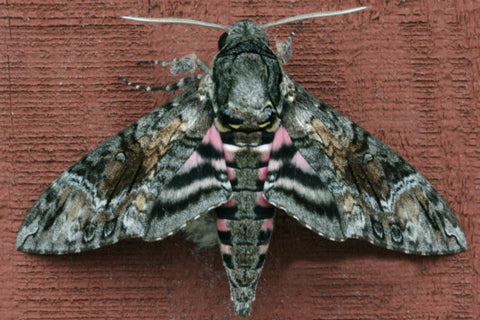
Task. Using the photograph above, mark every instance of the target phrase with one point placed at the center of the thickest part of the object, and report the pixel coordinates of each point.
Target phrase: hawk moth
(239, 144)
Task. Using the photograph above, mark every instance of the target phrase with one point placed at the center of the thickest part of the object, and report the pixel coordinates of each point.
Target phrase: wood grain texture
(406, 71)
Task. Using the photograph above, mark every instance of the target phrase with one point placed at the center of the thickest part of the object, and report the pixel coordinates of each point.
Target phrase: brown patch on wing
(370, 174)
(405, 209)
(335, 149)
(348, 202)
(361, 168)
(154, 148)
(161, 142)
(140, 201)
(139, 161)
(77, 206)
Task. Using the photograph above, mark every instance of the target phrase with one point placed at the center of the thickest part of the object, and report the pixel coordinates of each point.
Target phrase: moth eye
(222, 40)
(269, 118)
(227, 118)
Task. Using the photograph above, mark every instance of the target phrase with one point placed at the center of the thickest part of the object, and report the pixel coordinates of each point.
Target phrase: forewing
(356, 186)
(110, 193)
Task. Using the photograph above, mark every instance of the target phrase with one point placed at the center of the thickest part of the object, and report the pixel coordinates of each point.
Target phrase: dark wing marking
(109, 194)
(293, 186)
(358, 186)
(200, 185)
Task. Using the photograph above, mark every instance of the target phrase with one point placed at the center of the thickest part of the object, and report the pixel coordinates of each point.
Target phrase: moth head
(246, 75)
(242, 31)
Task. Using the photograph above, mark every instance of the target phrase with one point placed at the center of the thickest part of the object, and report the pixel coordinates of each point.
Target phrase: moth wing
(342, 182)
(127, 186)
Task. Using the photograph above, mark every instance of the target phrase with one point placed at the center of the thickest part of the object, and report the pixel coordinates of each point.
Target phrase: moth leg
(180, 84)
(284, 48)
(186, 64)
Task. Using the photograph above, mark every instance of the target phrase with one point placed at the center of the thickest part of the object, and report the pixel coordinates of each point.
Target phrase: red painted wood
(406, 71)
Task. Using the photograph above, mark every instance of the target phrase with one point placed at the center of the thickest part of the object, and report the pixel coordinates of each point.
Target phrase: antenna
(267, 25)
(177, 20)
(312, 16)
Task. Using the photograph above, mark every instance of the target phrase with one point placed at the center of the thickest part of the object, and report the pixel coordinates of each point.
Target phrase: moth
(238, 144)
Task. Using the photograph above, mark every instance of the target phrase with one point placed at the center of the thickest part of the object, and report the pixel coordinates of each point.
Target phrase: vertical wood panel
(406, 71)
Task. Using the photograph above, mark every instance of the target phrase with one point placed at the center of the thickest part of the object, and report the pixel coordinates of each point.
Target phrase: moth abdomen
(245, 223)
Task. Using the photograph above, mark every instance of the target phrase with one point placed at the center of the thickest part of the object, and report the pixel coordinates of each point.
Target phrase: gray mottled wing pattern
(354, 186)
(111, 193)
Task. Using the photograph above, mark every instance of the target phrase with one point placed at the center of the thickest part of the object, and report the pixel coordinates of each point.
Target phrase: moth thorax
(248, 93)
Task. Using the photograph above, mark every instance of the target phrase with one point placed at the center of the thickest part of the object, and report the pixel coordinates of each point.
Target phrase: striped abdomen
(245, 223)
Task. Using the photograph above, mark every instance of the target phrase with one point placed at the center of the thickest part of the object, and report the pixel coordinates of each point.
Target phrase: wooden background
(407, 71)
